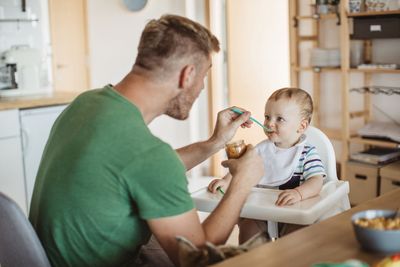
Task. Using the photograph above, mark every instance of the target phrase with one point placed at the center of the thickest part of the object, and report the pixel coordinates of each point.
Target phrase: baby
(291, 164)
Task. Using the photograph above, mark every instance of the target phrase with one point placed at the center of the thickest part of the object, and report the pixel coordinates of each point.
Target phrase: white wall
(114, 34)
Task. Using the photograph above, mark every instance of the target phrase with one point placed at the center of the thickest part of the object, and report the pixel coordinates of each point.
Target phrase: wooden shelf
(308, 38)
(374, 142)
(323, 69)
(357, 114)
(19, 20)
(396, 71)
(317, 16)
(377, 13)
(317, 69)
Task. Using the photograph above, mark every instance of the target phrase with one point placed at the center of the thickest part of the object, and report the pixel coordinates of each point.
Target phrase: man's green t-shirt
(102, 175)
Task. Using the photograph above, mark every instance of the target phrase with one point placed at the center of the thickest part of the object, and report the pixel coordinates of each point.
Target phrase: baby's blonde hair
(302, 98)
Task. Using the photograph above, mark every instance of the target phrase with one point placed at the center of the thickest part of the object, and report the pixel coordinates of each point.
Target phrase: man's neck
(149, 97)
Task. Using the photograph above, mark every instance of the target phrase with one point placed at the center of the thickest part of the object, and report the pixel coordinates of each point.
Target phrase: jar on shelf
(326, 6)
(236, 149)
(356, 6)
(376, 5)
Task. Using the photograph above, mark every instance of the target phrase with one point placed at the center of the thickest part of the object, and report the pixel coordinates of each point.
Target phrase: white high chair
(325, 150)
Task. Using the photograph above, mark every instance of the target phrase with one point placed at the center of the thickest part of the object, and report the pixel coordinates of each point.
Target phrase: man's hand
(218, 183)
(227, 124)
(246, 171)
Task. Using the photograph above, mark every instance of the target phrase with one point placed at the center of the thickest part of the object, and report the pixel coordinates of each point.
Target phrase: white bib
(279, 163)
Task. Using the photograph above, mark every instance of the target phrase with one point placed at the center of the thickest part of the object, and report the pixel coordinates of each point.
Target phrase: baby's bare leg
(248, 228)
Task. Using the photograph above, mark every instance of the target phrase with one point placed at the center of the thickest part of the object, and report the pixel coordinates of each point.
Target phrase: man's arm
(196, 153)
(215, 229)
(227, 124)
(168, 228)
(246, 172)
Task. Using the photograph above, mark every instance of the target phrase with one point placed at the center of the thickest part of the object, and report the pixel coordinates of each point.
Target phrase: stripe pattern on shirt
(310, 165)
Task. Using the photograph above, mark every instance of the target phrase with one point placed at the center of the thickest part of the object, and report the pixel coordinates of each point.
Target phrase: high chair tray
(260, 204)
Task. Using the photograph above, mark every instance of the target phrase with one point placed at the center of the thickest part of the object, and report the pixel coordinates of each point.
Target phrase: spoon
(238, 111)
(221, 190)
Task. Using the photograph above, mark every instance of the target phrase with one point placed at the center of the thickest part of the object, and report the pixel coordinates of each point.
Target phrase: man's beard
(179, 107)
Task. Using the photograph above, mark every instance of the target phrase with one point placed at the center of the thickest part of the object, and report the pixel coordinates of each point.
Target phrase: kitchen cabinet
(364, 182)
(390, 179)
(23, 136)
(11, 164)
(36, 124)
(70, 59)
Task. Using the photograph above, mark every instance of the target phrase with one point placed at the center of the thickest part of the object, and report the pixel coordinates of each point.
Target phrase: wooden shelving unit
(344, 134)
(370, 14)
(395, 71)
(324, 16)
(374, 142)
(324, 69)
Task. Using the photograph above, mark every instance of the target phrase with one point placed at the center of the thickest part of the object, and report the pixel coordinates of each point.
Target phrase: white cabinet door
(35, 127)
(11, 171)
(11, 167)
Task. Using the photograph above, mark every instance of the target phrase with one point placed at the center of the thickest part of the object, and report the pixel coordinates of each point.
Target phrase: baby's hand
(288, 197)
(213, 186)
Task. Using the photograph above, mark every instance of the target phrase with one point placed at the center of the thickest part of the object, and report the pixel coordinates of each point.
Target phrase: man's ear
(303, 126)
(187, 76)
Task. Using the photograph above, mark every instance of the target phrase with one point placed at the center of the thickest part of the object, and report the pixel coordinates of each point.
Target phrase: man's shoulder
(157, 148)
(89, 93)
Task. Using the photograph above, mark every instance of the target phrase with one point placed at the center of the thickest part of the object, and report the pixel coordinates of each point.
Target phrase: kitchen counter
(34, 101)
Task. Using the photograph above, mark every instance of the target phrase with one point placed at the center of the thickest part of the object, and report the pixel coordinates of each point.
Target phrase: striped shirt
(309, 165)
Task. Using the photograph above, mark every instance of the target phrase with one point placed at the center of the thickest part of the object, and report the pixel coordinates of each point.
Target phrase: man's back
(90, 199)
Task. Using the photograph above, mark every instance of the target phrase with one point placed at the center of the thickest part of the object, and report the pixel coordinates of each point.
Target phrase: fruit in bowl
(392, 261)
(377, 230)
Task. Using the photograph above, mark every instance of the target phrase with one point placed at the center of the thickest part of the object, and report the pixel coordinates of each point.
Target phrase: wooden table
(332, 240)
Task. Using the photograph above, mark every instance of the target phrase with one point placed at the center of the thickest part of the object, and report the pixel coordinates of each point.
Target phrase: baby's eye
(266, 117)
(280, 119)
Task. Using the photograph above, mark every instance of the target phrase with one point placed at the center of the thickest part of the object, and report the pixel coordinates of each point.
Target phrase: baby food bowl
(376, 240)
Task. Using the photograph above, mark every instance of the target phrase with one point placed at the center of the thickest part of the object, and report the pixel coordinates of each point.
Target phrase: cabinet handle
(361, 177)
(25, 141)
(396, 183)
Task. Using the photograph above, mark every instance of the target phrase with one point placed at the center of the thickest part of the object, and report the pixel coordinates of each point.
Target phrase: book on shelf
(377, 155)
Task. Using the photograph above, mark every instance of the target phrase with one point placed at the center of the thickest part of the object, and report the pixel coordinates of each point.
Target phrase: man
(106, 183)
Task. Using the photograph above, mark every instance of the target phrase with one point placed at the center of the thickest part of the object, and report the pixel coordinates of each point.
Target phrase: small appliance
(20, 71)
